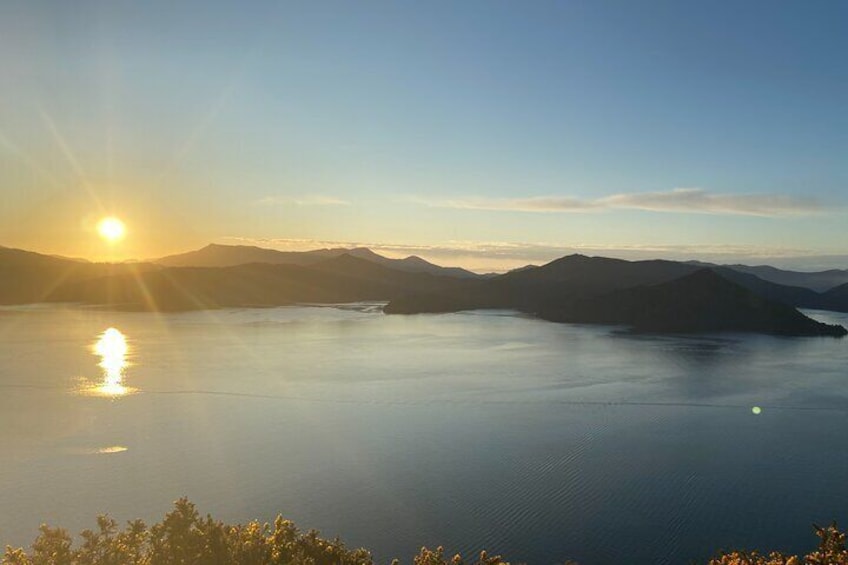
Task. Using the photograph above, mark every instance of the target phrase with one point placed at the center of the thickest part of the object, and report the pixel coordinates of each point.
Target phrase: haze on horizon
(484, 134)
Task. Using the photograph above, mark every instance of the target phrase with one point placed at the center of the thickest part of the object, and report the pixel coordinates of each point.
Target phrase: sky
(483, 134)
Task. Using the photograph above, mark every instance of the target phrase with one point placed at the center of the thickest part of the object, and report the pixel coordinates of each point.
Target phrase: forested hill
(659, 296)
(645, 295)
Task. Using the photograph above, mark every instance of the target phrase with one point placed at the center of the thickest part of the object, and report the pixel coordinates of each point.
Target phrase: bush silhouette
(183, 537)
(831, 551)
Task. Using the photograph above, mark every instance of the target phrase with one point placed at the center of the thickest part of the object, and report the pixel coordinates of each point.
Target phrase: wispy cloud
(534, 204)
(310, 200)
(688, 200)
(697, 200)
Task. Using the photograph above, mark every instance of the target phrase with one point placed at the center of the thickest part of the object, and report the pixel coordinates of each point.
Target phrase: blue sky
(488, 134)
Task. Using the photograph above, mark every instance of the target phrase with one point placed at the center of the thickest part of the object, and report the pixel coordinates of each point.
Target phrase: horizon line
(515, 256)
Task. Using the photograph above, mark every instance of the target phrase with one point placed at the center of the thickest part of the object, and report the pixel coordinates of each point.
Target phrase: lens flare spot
(756, 410)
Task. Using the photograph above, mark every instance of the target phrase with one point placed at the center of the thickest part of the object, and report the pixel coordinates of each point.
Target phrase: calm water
(536, 440)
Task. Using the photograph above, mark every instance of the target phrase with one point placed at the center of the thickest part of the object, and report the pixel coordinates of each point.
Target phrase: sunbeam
(70, 157)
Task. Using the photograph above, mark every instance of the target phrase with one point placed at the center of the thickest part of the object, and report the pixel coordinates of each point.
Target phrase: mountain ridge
(819, 281)
(575, 288)
(219, 255)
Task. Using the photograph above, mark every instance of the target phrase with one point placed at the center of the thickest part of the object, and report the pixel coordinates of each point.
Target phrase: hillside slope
(215, 255)
(700, 302)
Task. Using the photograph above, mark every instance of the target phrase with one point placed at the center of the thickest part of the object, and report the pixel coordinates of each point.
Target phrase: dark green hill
(661, 296)
(602, 274)
(835, 299)
(797, 296)
(700, 302)
(571, 277)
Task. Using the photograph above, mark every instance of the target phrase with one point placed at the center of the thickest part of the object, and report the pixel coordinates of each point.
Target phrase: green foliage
(831, 551)
(183, 537)
(429, 557)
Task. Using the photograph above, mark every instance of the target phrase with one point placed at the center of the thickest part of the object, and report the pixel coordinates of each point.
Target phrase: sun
(111, 229)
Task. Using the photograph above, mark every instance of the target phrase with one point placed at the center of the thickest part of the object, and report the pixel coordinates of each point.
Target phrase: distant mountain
(818, 281)
(411, 264)
(215, 255)
(401, 281)
(518, 269)
(646, 295)
(341, 279)
(28, 277)
(799, 297)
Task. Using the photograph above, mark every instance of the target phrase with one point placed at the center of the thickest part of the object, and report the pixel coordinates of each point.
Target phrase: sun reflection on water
(111, 449)
(113, 350)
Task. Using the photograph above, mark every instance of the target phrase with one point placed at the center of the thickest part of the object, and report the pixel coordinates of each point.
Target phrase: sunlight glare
(111, 229)
(111, 449)
(113, 350)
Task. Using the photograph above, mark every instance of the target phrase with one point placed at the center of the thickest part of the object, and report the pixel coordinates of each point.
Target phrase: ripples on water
(541, 441)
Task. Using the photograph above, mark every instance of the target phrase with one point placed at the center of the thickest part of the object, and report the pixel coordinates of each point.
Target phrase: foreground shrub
(831, 551)
(185, 538)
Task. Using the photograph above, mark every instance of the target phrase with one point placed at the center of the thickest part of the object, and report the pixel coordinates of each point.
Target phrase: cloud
(697, 200)
(686, 200)
(535, 204)
(311, 200)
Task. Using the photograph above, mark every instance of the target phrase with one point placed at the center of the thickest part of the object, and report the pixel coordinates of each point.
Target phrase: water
(539, 441)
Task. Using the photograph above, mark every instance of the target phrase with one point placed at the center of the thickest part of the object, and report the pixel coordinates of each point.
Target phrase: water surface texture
(540, 441)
